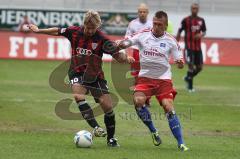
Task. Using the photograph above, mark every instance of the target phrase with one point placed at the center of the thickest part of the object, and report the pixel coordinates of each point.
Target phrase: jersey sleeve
(134, 38)
(204, 28)
(176, 51)
(109, 46)
(67, 32)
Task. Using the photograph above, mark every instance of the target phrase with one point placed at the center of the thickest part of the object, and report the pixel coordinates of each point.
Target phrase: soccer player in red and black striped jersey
(194, 28)
(85, 73)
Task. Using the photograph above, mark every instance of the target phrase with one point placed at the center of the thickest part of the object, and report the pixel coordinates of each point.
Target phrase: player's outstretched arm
(182, 27)
(49, 31)
(124, 44)
(121, 57)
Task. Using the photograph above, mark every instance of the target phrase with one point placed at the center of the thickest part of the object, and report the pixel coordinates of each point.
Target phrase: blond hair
(92, 17)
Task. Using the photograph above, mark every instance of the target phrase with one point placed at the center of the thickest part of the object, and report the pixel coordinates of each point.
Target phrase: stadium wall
(15, 45)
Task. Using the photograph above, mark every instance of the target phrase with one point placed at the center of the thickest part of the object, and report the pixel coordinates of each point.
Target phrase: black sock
(189, 74)
(190, 79)
(109, 120)
(87, 113)
(195, 72)
(190, 83)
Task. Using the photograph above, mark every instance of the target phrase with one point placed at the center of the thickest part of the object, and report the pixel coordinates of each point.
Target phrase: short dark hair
(160, 14)
(194, 4)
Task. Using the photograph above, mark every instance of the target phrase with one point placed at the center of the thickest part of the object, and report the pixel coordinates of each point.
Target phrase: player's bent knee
(106, 106)
(167, 105)
(139, 100)
(78, 97)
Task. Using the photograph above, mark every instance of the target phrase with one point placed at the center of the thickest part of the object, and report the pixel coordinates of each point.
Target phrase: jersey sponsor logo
(195, 28)
(94, 46)
(82, 51)
(153, 52)
(162, 45)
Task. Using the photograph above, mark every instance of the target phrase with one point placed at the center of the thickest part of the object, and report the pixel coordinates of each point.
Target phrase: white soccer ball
(83, 138)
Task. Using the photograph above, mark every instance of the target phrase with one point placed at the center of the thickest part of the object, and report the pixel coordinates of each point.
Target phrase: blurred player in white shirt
(136, 25)
(140, 23)
(155, 76)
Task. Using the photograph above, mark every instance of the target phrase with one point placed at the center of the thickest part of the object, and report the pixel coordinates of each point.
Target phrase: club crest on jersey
(200, 22)
(162, 45)
(94, 46)
(63, 30)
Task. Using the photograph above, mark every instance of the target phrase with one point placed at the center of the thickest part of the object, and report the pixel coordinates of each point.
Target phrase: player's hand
(33, 28)
(130, 59)
(180, 64)
(123, 44)
(198, 36)
(117, 44)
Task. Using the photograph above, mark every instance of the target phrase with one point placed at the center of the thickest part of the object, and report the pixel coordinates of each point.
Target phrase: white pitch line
(216, 104)
(20, 100)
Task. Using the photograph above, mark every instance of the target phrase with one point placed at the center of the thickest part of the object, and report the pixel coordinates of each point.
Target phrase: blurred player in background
(137, 25)
(155, 77)
(85, 72)
(194, 28)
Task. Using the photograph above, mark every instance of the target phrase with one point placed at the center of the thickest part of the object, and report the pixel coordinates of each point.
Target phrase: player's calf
(176, 129)
(87, 113)
(109, 120)
(175, 126)
(142, 110)
(173, 120)
(197, 70)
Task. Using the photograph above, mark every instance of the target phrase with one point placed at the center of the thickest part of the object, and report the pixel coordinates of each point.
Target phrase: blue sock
(145, 116)
(175, 126)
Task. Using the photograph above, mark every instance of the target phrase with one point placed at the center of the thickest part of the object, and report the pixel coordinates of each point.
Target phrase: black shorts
(193, 57)
(97, 87)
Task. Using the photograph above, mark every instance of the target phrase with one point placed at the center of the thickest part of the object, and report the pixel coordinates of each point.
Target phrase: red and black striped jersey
(192, 26)
(87, 52)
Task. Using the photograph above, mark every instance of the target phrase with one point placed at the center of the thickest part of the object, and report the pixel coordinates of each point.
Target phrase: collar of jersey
(158, 37)
(141, 22)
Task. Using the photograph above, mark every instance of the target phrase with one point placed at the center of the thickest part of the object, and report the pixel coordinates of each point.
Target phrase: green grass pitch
(30, 128)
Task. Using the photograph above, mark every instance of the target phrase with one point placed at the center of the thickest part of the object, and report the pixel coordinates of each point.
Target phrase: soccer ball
(83, 138)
